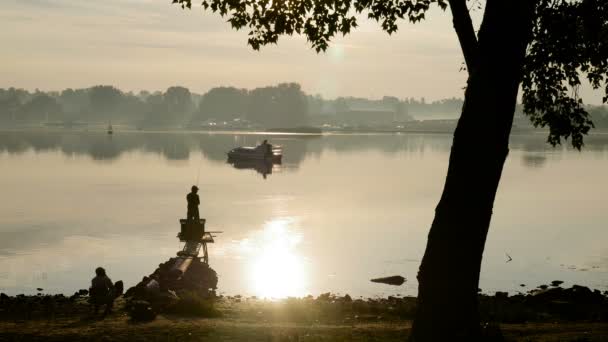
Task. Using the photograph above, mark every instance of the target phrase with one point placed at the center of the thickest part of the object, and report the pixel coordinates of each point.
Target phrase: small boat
(267, 152)
(110, 131)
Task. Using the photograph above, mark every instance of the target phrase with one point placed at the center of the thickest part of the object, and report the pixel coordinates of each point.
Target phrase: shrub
(192, 304)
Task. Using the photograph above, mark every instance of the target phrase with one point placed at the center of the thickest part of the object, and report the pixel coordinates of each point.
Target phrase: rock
(141, 311)
(164, 299)
(83, 292)
(39, 289)
(393, 280)
(197, 278)
(556, 283)
(491, 332)
(152, 287)
(500, 294)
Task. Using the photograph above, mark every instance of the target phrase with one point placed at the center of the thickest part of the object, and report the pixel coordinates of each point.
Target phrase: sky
(152, 45)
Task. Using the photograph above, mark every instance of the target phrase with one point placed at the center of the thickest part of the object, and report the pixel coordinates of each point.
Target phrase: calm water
(340, 210)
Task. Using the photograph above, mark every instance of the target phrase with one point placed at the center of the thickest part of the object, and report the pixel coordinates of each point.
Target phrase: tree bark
(449, 273)
(463, 25)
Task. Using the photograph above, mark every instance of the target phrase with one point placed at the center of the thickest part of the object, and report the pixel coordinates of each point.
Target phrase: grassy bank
(172, 328)
(325, 318)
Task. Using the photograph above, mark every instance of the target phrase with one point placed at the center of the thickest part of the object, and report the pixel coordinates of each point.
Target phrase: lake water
(340, 210)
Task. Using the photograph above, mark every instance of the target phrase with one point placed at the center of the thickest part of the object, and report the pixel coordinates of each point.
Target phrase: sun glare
(276, 269)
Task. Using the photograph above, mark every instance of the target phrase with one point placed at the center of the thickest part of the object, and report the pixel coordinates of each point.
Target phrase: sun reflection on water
(276, 270)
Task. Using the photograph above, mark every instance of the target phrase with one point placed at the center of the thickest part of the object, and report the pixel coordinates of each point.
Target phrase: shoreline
(361, 132)
(131, 130)
(583, 316)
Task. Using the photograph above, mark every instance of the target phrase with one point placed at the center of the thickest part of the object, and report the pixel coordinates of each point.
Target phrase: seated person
(101, 291)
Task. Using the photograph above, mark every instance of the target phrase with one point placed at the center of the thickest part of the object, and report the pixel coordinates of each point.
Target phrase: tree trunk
(449, 272)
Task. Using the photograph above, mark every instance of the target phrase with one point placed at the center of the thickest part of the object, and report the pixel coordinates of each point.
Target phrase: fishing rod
(198, 174)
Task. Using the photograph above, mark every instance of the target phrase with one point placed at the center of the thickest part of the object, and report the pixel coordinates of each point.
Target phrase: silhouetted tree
(41, 107)
(10, 101)
(132, 108)
(105, 100)
(547, 44)
(179, 103)
(223, 104)
(315, 104)
(281, 106)
(143, 95)
(75, 103)
(156, 111)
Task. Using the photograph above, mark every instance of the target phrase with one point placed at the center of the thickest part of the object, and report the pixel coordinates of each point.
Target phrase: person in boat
(193, 203)
(101, 291)
(266, 147)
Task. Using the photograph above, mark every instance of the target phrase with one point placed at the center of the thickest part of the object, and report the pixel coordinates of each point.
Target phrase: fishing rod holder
(195, 238)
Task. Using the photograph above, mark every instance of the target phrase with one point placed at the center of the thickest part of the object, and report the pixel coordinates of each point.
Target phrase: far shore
(270, 132)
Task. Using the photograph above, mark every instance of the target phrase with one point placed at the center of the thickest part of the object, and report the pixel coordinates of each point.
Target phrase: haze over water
(340, 210)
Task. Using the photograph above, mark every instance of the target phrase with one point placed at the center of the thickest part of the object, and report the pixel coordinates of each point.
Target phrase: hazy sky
(151, 44)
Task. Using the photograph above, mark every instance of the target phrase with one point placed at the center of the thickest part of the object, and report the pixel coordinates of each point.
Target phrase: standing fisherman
(193, 202)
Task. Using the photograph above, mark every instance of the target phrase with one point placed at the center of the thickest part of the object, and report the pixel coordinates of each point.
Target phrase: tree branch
(465, 32)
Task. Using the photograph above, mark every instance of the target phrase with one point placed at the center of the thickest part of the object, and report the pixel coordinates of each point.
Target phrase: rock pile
(40, 305)
(46, 305)
(161, 289)
(546, 303)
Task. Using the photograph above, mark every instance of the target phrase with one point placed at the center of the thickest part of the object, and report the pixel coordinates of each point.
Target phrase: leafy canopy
(569, 44)
(570, 40)
(318, 20)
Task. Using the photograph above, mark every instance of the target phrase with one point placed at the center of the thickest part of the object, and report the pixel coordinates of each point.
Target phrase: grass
(191, 304)
(172, 328)
(326, 318)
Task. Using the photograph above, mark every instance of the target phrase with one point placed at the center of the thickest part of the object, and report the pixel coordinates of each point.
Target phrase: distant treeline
(283, 105)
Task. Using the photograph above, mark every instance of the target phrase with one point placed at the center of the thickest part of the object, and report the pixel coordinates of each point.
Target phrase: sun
(276, 269)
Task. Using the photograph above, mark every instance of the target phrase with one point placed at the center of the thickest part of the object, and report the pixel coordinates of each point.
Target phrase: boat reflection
(275, 268)
(263, 167)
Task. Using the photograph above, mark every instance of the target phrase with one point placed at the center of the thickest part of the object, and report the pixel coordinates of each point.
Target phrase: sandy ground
(117, 327)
